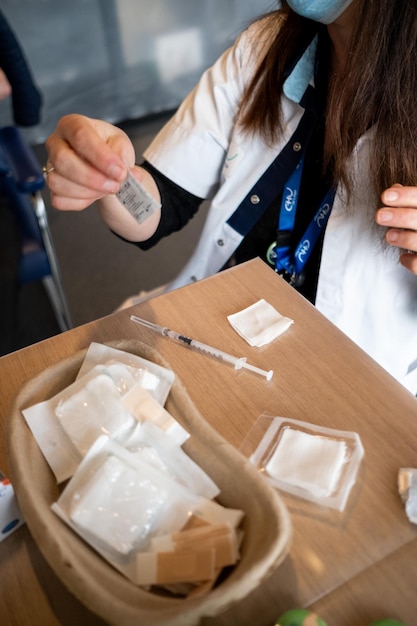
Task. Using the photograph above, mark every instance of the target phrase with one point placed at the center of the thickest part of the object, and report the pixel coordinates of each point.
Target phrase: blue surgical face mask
(324, 11)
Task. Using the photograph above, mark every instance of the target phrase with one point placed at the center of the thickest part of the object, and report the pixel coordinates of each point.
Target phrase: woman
(298, 134)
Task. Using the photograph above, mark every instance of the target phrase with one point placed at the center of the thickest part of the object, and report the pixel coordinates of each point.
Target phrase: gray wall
(120, 59)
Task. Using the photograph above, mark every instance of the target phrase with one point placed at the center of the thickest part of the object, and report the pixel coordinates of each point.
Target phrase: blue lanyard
(289, 263)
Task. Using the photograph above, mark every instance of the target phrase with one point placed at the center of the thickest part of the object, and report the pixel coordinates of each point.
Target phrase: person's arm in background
(26, 97)
(5, 87)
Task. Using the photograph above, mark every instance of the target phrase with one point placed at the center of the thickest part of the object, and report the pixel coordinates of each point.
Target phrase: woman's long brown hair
(378, 88)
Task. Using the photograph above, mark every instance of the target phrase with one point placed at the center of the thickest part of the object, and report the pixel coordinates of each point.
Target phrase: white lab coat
(362, 288)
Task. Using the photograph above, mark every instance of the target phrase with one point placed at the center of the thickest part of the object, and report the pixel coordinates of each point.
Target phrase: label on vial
(136, 199)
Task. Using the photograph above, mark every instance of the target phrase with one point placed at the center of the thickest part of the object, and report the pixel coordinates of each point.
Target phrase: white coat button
(220, 242)
(255, 199)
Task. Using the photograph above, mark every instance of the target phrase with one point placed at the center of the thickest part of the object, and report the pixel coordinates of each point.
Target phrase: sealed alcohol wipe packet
(136, 199)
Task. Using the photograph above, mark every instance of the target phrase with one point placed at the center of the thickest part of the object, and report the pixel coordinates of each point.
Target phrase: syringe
(237, 362)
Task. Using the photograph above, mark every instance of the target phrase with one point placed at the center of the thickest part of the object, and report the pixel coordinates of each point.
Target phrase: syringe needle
(237, 362)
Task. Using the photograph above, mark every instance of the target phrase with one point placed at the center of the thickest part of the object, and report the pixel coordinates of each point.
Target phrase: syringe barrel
(202, 347)
(214, 352)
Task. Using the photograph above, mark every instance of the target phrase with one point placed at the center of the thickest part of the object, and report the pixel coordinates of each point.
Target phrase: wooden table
(352, 567)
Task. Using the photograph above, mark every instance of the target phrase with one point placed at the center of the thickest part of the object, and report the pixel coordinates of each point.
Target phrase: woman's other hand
(399, 215)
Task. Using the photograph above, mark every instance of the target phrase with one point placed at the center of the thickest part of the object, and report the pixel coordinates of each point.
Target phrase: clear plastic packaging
(124, 376)
(143, 406)
(156, 379)
(118, 503)
(312, 462)
(91, 407)
(66, 425)
(159, 449)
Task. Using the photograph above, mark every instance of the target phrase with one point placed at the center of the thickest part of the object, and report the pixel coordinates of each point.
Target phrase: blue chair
(21, 179)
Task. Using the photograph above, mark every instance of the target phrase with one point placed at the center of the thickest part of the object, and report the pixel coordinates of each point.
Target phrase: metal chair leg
(53, 283)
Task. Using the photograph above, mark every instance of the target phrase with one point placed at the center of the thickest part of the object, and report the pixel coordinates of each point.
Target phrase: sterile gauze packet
(154, 378)
(90, 408)
(149, 441)
(68, 424)
(116, 502)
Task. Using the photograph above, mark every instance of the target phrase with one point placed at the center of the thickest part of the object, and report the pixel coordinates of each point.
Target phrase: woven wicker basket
(267, 527)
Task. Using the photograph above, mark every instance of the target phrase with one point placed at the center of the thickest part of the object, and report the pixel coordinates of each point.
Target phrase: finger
(96, 143)
(98, 185)
(397, 218)
(409, 261)
(406, 239)
(103, 149)
(68, 166)
(63, 203)
(400, 196)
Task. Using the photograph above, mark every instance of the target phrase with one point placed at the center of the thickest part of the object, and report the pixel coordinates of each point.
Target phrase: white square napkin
(259, 323)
